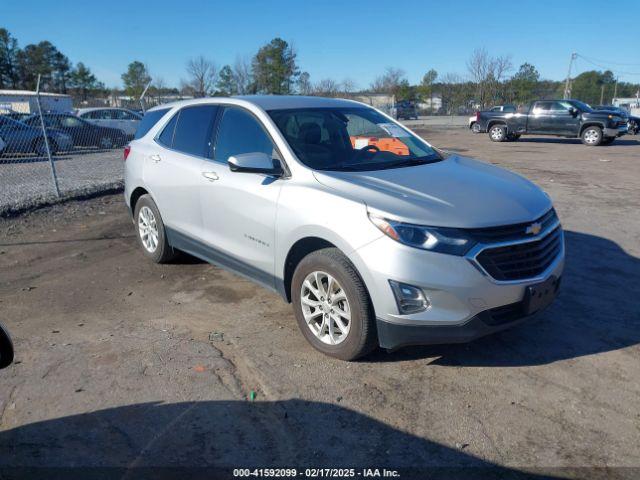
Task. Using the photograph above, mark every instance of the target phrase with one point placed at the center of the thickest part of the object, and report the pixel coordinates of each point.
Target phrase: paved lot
(123, 363)
(26, 180)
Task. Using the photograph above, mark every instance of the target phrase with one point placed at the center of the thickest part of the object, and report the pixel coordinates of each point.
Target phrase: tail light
(477, 116)
(127, 151)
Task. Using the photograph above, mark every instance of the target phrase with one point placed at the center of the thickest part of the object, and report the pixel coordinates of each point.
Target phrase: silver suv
(375, 236)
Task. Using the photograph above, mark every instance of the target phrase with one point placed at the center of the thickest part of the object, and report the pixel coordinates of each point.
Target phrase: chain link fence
(49, 150)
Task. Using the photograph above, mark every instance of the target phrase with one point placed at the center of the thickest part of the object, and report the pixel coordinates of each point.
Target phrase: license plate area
(540, 295)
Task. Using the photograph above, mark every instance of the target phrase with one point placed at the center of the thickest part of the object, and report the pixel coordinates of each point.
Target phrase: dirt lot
(123, 363)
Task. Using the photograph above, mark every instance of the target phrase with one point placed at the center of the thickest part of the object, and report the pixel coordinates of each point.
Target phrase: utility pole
(615, 91)
(567, 84)
(602, 94)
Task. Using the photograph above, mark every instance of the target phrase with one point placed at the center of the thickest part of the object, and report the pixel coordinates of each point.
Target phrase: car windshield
(350, 139)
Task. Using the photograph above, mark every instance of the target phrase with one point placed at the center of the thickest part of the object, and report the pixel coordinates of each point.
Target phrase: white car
(120, 118)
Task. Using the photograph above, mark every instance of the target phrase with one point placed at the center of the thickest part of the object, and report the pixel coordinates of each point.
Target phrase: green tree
(523, 84)
(83, 80)
(227, 84)
(135, 79)
(274, 68)
(8, 60)
(426, 86)
(588, 86)
(46, 60)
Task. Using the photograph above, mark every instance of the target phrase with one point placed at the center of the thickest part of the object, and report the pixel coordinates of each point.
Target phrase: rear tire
(475, 127)
(592, 136)
(498, 133)
(150, 231)
(329, 274)
(40, 148)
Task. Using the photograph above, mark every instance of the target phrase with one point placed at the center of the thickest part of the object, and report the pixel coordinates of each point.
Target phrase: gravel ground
(126, 364)
(26, 182)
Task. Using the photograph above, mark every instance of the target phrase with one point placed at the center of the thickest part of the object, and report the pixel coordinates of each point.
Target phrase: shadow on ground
(595, 312)
(209, 439)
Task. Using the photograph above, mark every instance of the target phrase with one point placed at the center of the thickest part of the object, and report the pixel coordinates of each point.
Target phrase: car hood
(455, 192)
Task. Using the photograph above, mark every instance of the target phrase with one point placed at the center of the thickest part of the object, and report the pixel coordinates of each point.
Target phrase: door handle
(155, 157)
(211, 176)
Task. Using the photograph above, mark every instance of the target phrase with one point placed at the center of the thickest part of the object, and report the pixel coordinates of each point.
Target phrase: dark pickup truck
(562, 118)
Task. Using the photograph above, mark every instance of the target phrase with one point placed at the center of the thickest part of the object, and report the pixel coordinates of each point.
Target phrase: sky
(352, 39)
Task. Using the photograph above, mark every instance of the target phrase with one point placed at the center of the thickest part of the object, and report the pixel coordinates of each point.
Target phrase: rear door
(539, 118)
(173, 169)
(239, 209)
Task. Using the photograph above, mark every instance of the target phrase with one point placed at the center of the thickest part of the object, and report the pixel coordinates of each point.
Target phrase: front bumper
(615, 132)
(463, 298)
(392, 335)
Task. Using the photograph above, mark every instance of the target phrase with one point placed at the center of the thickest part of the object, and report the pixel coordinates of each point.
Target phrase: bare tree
(349, 86)
(488, 74)
(389, 81)
(242, 74)
(327, 87)
(202, 73)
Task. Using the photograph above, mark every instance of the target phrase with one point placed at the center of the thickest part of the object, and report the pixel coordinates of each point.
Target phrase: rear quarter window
(148, 121)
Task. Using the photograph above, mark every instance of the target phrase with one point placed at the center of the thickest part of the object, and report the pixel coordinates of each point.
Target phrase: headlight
(436, 239)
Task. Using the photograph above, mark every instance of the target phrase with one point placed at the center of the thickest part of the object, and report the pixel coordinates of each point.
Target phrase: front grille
(512, 232)
(522, 260)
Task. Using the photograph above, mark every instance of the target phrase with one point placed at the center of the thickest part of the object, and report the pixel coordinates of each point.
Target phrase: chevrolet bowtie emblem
(534, 228)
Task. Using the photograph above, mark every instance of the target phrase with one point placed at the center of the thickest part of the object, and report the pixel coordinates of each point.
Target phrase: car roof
(269, 102)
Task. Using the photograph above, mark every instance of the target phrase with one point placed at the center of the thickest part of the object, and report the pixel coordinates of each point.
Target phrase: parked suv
(375, 236)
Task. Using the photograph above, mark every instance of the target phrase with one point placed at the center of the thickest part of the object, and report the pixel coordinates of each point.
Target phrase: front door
(563, 121)
(239, 209)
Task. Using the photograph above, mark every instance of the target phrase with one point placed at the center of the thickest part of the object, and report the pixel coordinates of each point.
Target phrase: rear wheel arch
(135, 196)
(497, 122)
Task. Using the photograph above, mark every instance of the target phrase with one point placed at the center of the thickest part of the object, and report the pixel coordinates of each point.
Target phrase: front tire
(498, 133)
(332, 305)
(151, 232)
(592, 136)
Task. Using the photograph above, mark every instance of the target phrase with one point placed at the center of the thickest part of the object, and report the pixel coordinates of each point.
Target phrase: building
(25, 101)
(381, 101)
(632, 103)
(430, 104)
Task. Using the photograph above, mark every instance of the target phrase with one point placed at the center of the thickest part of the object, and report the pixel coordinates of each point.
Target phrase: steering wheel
(6, 348)
(368, 148)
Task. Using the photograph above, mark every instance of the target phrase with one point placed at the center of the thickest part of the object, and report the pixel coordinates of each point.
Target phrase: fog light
(410, 299)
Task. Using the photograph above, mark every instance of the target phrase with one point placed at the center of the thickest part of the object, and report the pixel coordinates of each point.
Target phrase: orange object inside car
(387, 144)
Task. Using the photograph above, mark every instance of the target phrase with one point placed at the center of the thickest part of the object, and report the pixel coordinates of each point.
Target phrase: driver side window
(240, 132)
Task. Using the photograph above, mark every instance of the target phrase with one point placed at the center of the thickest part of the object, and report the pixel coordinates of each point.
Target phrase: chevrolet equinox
(376, 237)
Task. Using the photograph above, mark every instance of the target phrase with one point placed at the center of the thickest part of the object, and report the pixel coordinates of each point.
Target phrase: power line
(617, 72)
(613, 63)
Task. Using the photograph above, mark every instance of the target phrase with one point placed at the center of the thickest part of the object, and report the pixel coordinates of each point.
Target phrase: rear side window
(166, 137)
(148, 121)
(192, 134)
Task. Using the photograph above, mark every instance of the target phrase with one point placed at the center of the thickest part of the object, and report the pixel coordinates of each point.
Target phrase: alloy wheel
(591, 136)
(325, 307)
(148, 229)
(496, 133)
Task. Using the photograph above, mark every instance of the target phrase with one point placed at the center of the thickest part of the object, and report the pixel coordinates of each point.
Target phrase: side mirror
(6, 348)
(255, 162)
(573, 111)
